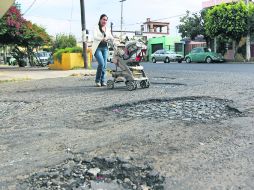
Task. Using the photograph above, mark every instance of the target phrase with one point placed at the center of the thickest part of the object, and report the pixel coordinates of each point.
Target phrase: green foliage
(228, 20)
(251, 17)
(58, 54)
(11, 26)
(34, 36)
(64, 41)
(192, 25)
(16, 31)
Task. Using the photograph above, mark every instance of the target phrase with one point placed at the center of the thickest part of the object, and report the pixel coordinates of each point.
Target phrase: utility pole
(121, 19)
(83, 23)
(248, 53)
(111, 27)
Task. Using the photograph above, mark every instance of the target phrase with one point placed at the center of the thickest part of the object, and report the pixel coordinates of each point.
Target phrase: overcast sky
(63, 16)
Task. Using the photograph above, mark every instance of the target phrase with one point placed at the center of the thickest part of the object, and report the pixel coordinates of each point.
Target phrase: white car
(166, 56)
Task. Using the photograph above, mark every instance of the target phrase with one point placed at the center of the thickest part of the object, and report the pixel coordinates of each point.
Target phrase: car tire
(208, 60)
(180, 61)
(167, 60)
(153, 60)
(188, 60)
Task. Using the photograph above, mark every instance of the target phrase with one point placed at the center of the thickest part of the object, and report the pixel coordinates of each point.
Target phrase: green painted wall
(167, 41)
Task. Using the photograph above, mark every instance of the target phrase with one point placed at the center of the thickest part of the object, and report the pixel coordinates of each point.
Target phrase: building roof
(156, 23)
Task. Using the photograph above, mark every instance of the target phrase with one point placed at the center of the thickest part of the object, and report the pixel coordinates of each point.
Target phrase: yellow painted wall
(69, 61)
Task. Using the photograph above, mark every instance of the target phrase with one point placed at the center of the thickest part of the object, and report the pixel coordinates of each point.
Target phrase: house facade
(4, 6)
(149, 29)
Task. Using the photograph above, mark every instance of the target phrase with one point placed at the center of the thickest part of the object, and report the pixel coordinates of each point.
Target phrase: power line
(30, 7)
(159, 19)
(39, 4)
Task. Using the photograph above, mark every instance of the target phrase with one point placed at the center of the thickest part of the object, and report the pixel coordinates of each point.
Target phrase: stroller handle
(111, 43)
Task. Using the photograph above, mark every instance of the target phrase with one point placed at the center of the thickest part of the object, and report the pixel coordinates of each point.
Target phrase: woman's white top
(98, 37)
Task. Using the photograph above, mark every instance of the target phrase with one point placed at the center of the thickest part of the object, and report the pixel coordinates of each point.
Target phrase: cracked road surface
(43, 122)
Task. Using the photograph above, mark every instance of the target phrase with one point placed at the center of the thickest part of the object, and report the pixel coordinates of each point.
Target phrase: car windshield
(170, 52)
(43, 54)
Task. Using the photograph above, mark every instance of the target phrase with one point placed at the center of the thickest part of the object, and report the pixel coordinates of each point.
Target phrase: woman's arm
(96, 35)
(109, 35)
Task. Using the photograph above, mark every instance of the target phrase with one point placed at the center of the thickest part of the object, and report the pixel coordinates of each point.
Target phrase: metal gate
(156, 47)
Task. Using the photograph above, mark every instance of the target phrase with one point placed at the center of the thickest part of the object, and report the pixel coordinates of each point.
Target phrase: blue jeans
(101, 56)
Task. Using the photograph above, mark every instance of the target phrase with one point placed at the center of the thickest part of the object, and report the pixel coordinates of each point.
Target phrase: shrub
(64, 41)
(58, 54)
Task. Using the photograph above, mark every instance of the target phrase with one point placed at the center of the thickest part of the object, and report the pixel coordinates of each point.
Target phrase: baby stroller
(127, 70)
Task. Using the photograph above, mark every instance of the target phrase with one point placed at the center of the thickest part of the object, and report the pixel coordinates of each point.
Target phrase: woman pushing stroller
(100, 49)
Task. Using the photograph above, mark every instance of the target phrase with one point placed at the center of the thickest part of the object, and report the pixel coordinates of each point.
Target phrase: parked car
(44, 57)
(11, 60)
(166, 56)
(203, 54)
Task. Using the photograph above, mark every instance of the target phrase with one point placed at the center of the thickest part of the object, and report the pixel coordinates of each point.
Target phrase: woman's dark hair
(100, 27)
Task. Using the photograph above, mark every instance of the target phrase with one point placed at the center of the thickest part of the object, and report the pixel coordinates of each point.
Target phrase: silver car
(44, 57)
(166, 56)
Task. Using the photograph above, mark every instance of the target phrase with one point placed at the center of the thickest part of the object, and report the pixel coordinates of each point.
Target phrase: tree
(18, 32)
(11, 26)
(228, 20)
(231, 22)
(251, 17)
(192, 25)
(33, 37)
(64, 41)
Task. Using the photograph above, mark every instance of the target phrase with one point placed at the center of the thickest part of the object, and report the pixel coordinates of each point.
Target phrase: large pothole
(197, 109)
(100, 173)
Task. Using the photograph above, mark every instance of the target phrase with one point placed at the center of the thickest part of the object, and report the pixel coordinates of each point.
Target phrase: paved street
(194, 125)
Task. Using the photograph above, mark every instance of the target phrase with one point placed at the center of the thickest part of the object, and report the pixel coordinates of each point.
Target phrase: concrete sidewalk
(9, 73)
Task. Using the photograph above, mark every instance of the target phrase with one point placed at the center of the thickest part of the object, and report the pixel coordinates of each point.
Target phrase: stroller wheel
(131, 85)
(144, 84)
(110, 84)
(147, 84)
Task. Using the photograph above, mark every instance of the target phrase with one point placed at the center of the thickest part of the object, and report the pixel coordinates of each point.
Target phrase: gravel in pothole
(196, 109)
(100, 173)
